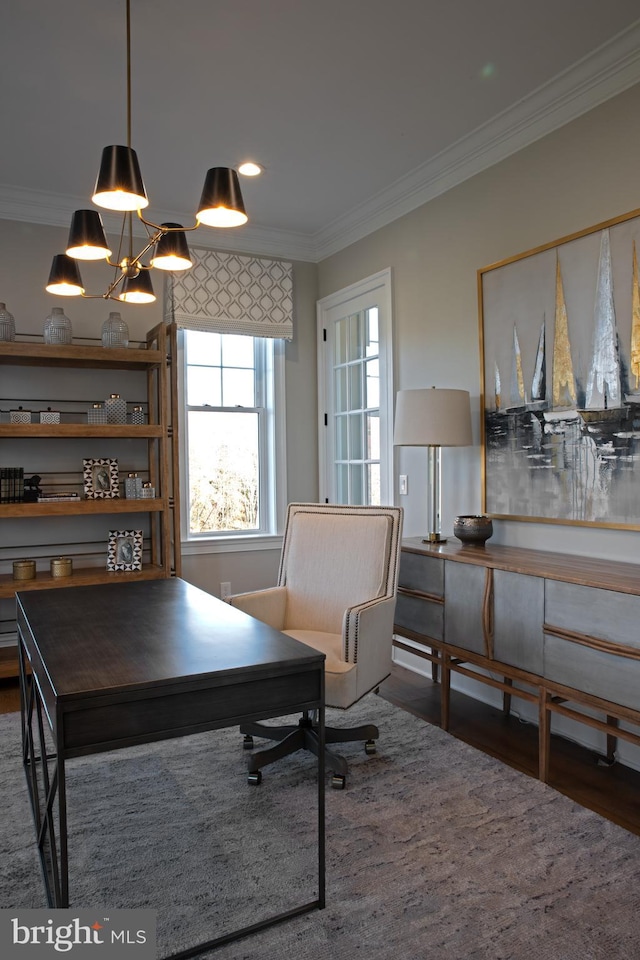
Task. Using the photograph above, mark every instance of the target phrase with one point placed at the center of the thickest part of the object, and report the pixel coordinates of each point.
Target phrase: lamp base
(434, 538)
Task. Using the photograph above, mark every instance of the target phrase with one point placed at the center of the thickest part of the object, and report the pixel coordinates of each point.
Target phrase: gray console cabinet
(556, 630)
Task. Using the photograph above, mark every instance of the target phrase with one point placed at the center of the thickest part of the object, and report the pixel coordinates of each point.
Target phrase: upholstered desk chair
(336, 592)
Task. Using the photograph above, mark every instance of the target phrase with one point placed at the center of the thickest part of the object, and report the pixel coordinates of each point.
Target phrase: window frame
(270, 371)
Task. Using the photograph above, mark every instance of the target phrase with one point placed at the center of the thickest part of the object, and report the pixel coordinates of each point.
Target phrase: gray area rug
(434, 851)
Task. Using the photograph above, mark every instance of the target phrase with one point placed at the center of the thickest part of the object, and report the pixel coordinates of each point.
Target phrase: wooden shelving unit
(162, 558)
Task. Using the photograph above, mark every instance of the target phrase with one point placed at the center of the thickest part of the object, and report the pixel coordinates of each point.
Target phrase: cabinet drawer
(603, 675)
(418, 572)
(465, 585)
(597, 613)
(420, 616)
(518, 616)
(601, 614)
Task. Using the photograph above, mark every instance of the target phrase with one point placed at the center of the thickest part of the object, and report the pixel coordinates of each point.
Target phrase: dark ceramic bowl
(473, 529)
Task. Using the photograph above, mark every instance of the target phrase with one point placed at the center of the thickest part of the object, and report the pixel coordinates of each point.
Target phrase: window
(356, 393)
(232, 435)
(356, 415)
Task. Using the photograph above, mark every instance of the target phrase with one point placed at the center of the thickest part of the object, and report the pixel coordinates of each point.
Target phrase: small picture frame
(100, 477)
(125, 550)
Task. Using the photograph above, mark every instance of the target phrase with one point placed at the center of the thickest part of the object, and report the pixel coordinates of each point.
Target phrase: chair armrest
(267, 605)
(368, 639)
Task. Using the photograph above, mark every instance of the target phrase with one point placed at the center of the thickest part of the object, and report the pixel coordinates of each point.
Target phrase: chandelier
(119, 186)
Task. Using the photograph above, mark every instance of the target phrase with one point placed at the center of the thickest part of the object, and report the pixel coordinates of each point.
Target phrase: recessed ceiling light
(250, 169)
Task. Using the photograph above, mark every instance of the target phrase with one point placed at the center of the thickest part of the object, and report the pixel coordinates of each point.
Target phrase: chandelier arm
(162, 230)
(99, 296)
(137, 260)
(118, 262)
(112, 286)
(130, 222)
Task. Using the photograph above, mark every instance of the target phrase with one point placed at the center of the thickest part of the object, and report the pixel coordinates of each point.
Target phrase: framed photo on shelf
(100, 478)
(560, 404)
(125, 550)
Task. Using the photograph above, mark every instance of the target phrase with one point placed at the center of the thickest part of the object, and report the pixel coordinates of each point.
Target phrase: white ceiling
(359, 110)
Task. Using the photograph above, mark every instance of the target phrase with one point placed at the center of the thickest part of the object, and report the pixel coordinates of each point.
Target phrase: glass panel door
(356, 394)
(356, 428)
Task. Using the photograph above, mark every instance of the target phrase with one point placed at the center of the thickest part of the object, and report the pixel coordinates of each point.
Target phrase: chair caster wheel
(255, 779)
(247, 743)
(370, 747)
(338, 782)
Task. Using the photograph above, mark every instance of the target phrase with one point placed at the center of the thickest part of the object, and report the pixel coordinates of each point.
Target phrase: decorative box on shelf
(24, 569)
(61, 567)
(137, 415)
(20, 416)
(49, 416)
(116, 409)
(97, 413)
(148, 491)
(133, 487)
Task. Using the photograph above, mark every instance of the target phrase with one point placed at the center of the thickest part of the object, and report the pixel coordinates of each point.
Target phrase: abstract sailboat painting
(563, 393)
(561, 426)
(603, 382)
(518, 393)
(539, 382)
(635, 332)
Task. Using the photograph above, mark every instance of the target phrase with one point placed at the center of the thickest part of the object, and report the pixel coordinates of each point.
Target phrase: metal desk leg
(45, 777)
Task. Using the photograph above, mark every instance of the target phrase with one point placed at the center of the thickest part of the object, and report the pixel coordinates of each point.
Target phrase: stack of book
(11, 484)
(48, 496)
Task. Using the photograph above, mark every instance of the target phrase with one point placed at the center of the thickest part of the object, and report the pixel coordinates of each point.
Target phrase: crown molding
(608, 71)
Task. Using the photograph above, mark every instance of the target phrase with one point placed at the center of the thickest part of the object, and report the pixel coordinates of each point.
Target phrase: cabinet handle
(487, 612)
(596, 643)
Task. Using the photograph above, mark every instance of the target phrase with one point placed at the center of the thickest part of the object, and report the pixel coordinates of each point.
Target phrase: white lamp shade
(433, 417)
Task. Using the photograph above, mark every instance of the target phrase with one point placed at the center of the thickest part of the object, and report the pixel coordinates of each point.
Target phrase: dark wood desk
(113, 665)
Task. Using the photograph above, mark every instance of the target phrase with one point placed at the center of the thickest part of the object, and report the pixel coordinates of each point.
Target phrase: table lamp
(433, 418)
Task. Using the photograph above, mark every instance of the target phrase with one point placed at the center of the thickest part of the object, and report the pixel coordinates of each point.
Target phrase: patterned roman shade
(229, 293)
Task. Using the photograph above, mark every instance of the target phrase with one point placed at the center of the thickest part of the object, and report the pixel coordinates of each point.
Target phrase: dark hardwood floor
(9, 696)
(613, 792)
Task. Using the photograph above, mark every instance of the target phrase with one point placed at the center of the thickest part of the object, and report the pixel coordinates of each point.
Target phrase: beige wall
(582, 174)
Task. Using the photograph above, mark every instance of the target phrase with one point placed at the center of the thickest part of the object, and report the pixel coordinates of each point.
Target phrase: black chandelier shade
(172, 250)
(64, 277)
(87, 240)
(119, 184)
(221, 203)
(138, 289)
